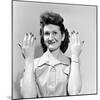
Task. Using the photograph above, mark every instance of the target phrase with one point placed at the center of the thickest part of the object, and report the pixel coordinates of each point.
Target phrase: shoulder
(67, 68)
(36, 61)
(67, 59)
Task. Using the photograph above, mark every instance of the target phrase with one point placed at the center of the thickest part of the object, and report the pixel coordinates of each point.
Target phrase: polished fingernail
(77, 33)
(73, 31)
(27, 34)
(35, 38)
(83, 41)
(30, 33)
(19, 44)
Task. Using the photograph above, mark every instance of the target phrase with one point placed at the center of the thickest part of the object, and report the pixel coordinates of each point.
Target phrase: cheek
(45, 38)
(59, 38)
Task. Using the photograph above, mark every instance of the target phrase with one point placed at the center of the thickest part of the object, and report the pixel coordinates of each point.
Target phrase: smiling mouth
(51, 42)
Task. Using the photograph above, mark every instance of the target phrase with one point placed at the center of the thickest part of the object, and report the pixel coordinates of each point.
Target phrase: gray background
(26, 18)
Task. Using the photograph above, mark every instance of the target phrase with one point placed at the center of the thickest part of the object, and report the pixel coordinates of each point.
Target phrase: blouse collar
(48, 58)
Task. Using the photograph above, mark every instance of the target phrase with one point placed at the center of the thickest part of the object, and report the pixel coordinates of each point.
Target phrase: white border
(5, 47)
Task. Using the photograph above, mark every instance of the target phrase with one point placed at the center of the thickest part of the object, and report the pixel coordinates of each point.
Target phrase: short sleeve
(67, 70)
(36, 62)
(68, 67)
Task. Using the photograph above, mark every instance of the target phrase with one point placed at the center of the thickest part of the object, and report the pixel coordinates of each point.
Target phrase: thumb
(19, 44)
(81, 44)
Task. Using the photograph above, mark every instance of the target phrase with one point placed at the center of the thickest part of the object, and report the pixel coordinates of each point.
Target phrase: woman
(53, 74)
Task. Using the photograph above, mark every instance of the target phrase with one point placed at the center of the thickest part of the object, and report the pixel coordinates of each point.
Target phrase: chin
(53, 48)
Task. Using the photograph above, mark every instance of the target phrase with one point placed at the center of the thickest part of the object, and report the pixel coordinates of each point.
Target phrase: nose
(51, 36)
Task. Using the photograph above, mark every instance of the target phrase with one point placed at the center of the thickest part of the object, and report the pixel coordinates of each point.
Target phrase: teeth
(50, 42)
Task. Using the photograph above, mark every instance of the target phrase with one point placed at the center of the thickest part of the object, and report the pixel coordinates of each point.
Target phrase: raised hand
(76, 45)
(28, 46)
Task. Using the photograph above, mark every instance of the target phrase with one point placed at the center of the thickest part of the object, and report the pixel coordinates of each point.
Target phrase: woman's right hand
(27, 83)
(28, 46)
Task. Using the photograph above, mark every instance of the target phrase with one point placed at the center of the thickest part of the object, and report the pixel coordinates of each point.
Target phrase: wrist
(75, 58)
(29, 62)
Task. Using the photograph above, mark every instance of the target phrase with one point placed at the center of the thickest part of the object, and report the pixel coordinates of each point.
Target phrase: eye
(54, 33)
(46, 33)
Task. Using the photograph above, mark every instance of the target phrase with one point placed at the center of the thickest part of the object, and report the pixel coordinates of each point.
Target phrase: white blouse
(52, 75)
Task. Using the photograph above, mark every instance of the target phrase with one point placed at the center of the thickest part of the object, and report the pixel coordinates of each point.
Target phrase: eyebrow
(46, 32)
(52, 31)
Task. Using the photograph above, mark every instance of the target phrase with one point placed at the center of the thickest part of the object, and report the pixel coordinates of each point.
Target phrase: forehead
(51, 27)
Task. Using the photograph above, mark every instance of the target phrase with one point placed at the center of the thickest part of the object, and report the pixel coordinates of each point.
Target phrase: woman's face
(52, 36)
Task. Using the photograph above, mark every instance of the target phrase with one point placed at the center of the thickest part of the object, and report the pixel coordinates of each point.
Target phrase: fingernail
(19, 44)
(35, 38)
(27, 34)
(30, 33)
(82, 41)
(77, 33)
(73, 31)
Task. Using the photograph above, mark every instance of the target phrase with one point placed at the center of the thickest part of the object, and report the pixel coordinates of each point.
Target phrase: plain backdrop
(81, 18)
(5, 49)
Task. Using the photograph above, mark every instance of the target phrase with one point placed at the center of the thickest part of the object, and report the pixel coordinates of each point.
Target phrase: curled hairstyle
(55, 19)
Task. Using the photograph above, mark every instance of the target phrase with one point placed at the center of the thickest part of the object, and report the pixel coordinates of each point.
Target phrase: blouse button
(52, 77)
(53, 69)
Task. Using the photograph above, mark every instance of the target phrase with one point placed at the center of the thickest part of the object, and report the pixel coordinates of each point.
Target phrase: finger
(78, 39)
(29, 37)
(72, 38)
(75, 38)
(20, 46)
(33, 39)
(82, 43)
(30, 33)
(25, 39)
(73, 31)
(21, 50)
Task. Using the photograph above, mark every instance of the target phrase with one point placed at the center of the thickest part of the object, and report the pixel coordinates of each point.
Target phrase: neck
(56, 53)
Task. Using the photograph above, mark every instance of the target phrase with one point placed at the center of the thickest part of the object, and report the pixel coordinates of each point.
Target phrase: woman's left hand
(76, 45)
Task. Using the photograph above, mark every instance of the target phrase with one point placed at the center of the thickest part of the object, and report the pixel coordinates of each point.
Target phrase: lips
(50, 42)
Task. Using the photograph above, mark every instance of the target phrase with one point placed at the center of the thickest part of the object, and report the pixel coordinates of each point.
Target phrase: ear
(63, 37)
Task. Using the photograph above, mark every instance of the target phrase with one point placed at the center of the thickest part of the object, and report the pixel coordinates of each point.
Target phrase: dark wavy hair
(55, 19)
